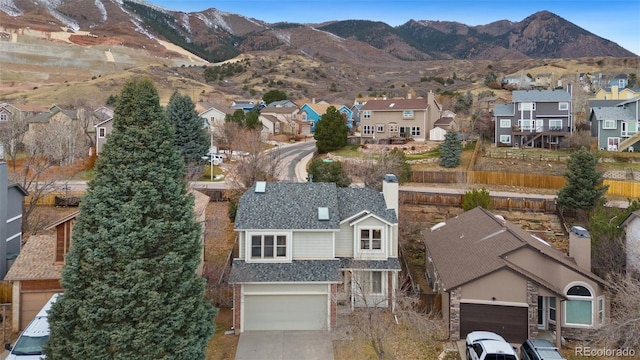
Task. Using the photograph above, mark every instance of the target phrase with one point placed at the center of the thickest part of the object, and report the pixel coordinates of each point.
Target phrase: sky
(617, 21)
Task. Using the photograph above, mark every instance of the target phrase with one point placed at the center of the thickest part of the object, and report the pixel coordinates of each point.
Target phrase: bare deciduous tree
(622, 328)
(12, 133)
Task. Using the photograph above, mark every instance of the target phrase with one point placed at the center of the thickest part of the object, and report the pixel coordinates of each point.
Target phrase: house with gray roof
(11, 205)
(631, 226)
(492, 275)
(308, 249)
(615, 124)
(534, 119)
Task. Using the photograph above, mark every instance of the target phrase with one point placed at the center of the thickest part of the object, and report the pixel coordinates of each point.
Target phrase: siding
(286, 288)
(344, 241)
(309, 245)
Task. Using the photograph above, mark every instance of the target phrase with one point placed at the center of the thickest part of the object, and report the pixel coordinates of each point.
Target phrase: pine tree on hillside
(450, 150)
(191, 138)
(130, 286)
(584, 183)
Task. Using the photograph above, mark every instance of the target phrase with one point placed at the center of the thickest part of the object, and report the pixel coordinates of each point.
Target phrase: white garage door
(285, 312)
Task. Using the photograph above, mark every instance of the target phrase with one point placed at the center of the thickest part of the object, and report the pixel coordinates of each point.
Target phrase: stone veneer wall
(454, 314)
(532, 301)
(581, 334)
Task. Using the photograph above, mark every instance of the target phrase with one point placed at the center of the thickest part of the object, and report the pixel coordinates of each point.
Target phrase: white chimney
(580, 247)
(390, 189)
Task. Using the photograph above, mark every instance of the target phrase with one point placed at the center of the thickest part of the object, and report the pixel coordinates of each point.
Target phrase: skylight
(323, 213)
(261, 186)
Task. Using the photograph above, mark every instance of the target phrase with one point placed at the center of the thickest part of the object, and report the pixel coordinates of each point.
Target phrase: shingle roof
(36, 260)
(541, 95)
(503, 110)
(389, 264)
(287, 205)
(287, 110)
(603, 103)
(295, 271)
(443, 121)
(483, 241)
(396, 104)
(613, 113)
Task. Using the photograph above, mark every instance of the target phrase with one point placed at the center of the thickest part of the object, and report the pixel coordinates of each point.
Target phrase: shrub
(474, 198)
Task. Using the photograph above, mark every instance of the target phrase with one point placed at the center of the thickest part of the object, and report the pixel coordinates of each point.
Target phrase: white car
(215, 159)
(485, 345)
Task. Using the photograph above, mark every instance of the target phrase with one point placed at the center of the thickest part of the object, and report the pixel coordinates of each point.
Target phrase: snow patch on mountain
(102, 9)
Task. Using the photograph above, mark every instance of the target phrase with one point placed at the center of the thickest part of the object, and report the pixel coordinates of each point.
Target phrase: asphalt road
(290, 157)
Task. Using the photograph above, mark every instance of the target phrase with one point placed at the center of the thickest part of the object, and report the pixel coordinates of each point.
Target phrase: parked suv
(485, 345)
(539, 349)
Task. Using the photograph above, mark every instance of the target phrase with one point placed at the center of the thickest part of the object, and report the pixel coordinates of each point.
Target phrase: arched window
(579, 306)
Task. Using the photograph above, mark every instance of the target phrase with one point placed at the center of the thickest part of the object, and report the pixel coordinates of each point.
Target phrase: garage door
(285, 312)
(508, 321)
(30, 305)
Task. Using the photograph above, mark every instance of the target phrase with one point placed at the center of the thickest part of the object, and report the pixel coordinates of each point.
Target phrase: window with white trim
(527, 106)
(415, 131)
(601, 310)
(609, 124)
(407, 114)
(526, 125)
(563, 105)
(367, 130)
(555, 125)
(552, 309)
(370, 239)
(372, 282)
(579, 306)
(4, 117)
(268, 246)
(393, 128)
(380, 128)
(505, 123)
(366, 114)
(505, 139)
(102, 132)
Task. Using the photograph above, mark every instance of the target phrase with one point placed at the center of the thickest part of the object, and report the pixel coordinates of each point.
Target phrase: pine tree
(331, 131)
(190, 137)
(321, 171)
(130, 286)
(584, 183)
(450, 150)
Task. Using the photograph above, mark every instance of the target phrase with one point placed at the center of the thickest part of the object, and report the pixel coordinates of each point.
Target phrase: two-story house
(535, 118)
(287, 117)
(312, 112)
(103, 126)
(389, 119)
(620, 80)
(616, 93)
(307, 250)
(616, 125)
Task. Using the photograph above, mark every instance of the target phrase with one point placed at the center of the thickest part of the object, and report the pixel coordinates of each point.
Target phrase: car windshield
(28, 345)
(499, 357)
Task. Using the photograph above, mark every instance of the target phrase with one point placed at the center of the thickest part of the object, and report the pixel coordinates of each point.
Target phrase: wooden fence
(497, 202)
(6, 292)
(623, 188)
(489, 178)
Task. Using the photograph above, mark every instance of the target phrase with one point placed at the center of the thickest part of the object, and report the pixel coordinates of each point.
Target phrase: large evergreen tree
(331, 131)
(130, 286)
(450, 150)
(584, 183)
(190, 137)
(328, 171)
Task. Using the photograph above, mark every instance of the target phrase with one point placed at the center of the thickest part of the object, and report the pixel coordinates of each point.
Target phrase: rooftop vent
(392, 105)
(261, 187)
(323, 213)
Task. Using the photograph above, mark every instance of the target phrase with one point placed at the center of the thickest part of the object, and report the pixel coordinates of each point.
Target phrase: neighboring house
(631, 226)
(312, 112)
(103, 129)
(535, 118)
(247, 105)
(20, 111)
(616, 126)
(355, 110)
(282, 103)
(543, 81)
(389, 119)
(441, 126)
(492, 275)
(287, 116)
(36, 273)
(620, 80)
(11, 205)
(486, 104)
(213, 117)
(517, 82)
(309, 249)
(270, 125)
(614, 93)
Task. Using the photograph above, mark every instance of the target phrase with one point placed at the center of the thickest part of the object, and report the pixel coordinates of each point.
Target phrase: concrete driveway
(284, 345)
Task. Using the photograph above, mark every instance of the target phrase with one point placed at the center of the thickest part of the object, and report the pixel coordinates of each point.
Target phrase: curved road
(291, 158)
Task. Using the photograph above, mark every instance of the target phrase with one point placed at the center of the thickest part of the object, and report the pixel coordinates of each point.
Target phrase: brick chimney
(390, 190)
(580, 247)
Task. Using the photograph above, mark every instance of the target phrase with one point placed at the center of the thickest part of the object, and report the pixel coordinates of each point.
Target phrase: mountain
(216, 35)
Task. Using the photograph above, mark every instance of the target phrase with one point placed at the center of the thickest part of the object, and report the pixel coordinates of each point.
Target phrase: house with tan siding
(384, 120)
(311, 251)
